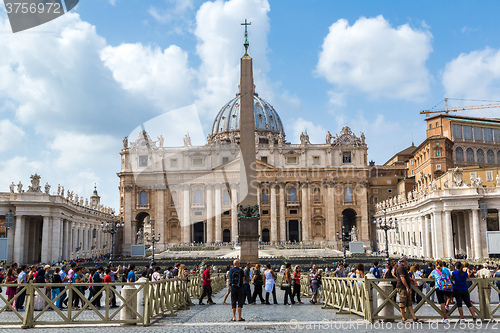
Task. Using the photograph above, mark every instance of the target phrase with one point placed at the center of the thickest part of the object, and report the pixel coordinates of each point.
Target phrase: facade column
(210, 212)
(218, 213)
(129, 232)
(330, 215)
(274, 224)
(421, 236)
(411, 238)
(160, 219)
(438, 235)
(448, 229)
(234, 214)
(46, 239)
(306, 218)
(186, 216)
(477, 234)
(19, 247)
(282, 218)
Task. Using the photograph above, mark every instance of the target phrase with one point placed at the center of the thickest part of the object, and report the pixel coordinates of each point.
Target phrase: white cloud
(12, 137)
(316, 133)
(373, 57)
(174, 10)
(475, 75)
(164, 77)
(112, 2)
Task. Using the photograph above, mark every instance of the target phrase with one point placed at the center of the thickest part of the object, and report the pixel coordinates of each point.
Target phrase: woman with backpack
(444, 287)
(461, 291)
(258, 281)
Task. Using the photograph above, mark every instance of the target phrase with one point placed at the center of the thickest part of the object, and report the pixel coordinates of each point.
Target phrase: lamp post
(112, 228)
(153, 239)
(386, 225)
(343, 239)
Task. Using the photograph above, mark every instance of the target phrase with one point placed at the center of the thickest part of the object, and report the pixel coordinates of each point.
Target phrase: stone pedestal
(126, 313)
(388, 309)
(249, 238)
(140, 296)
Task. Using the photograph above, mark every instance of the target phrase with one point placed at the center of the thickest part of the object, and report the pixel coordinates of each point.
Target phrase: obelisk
(248, 223)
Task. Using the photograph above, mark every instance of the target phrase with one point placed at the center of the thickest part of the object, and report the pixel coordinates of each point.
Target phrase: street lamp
(343, 239)
(112, 228)
(153, 239)
(386, 225)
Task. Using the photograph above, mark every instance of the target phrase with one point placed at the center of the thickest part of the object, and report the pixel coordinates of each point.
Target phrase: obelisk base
(249, 239)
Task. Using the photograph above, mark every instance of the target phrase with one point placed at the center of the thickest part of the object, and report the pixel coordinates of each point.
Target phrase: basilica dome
(226, 125)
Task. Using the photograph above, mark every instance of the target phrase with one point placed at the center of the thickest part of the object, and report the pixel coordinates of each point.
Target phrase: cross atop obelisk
(246, 43)
(248, 218)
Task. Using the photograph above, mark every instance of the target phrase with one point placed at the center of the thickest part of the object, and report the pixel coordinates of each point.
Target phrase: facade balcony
(293, 203)
(143, 206)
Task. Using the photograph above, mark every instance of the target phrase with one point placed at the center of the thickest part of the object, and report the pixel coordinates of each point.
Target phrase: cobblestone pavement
(264, 318)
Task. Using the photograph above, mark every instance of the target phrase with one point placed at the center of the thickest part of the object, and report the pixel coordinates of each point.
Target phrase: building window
(488, 134)
(265, 196)
(496, 135)
(438, 166)
(437, 124)
(489, 176)
(226, 212)
(389, 191)
(173, 163)
(143, 198)
(459, 154)
(412, 172)
(490, 156)
(225, 197)
(197, 162)
(292, 194)
(291, 159)
(389, 182)
(375, 200)
(198, 197)
(470, 155)
(348, 194)
(316, 160)
(411, 162)
(293, 211)
(264, 159)
(265, 212)
(478, 133)
(225, 160)
(457, 131)
(467, 132)
(143, 161)
(430, 126)
(480, 155)
(374, 182)
(473, 175)
(346, 157)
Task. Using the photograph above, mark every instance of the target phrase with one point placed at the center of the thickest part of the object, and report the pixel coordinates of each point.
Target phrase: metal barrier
(356, 296)
(159, 299)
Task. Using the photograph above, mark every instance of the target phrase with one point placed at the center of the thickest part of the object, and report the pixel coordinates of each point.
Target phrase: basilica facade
(307, 192)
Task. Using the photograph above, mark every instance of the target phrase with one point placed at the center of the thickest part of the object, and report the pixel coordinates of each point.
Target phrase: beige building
(307, 191)
(54, 227)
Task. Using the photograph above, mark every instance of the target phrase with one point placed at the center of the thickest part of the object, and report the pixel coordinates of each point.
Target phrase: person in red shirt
(207, 286)
(107, 277)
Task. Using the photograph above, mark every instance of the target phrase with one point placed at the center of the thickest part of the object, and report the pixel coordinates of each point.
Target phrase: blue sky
(70, 90)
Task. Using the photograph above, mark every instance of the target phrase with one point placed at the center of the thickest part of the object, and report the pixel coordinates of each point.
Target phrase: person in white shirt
(485, 273)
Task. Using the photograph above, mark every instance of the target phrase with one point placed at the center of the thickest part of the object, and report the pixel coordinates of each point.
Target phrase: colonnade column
(274, 223)
(18, 245)
(421, 236)
(427, 237)
(468, 234)
(461, 230)
(210, 212)
(449, 234)
(477, 234)
(56, 238)
(45, 239)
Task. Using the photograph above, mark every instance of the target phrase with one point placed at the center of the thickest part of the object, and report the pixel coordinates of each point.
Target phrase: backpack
(443, 282)
(236, 277)
(376, 272)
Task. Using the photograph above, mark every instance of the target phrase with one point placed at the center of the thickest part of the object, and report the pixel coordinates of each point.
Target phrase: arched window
(225, 197)
(459, 154)
(265, 196)
(348, 194)
(470, 155)
(490, 155)
(480, 155)
(292, 194)
(198, 197)
(143, 198)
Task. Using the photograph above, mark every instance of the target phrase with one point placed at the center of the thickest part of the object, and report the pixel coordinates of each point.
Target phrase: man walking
(236, 276)
(246, 285)
(207, 286)
(404, 289)
(21, 278)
